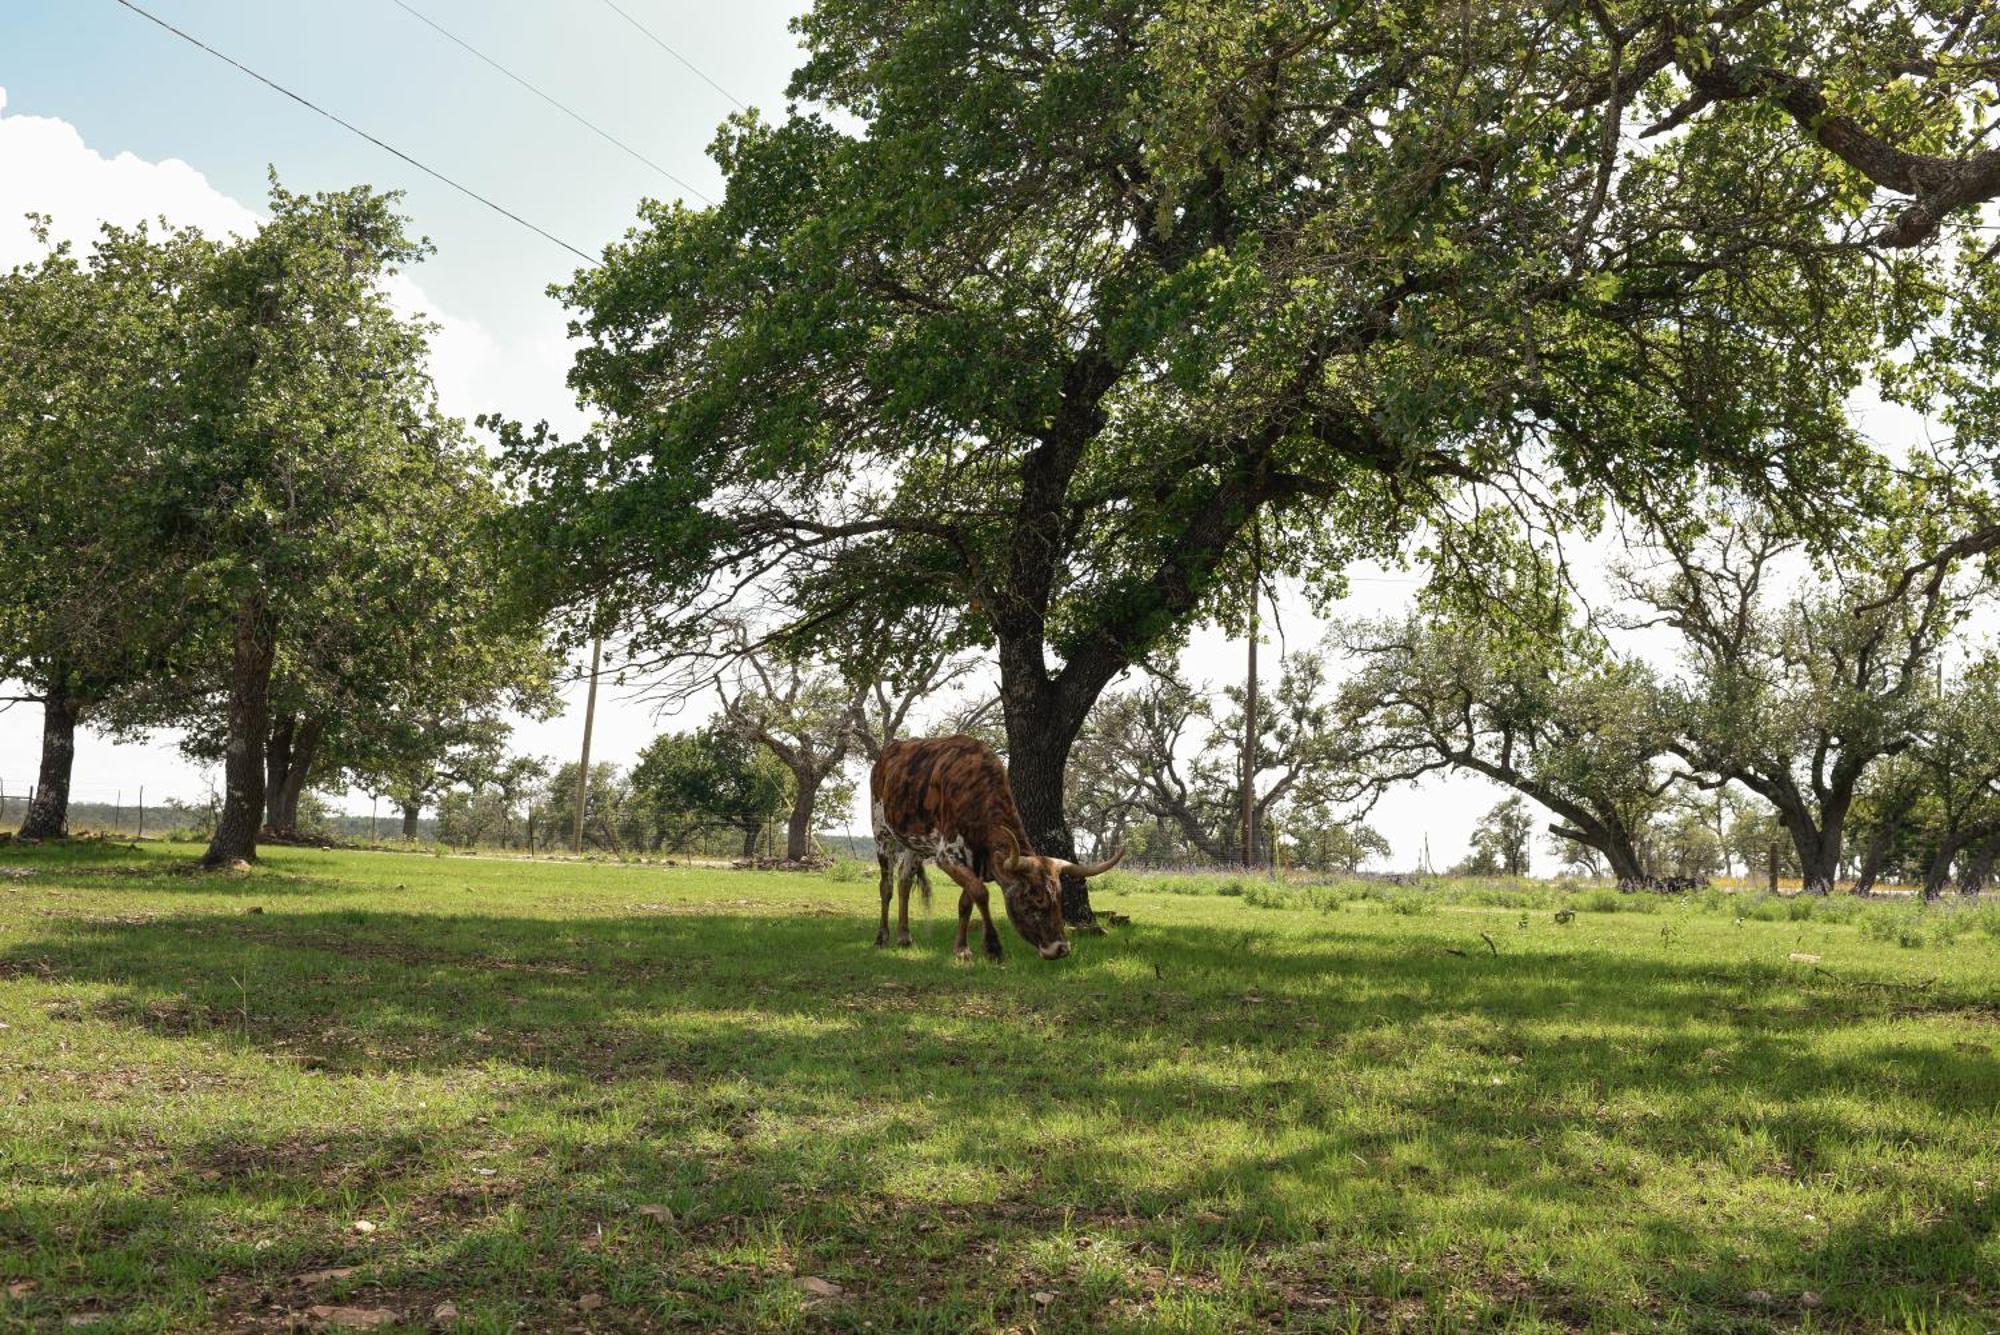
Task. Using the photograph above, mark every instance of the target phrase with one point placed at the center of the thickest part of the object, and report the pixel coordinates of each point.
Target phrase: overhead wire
(693, 68)
(574, 115)
(314, 107)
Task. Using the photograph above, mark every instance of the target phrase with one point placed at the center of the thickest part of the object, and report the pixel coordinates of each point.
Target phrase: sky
(104, 116)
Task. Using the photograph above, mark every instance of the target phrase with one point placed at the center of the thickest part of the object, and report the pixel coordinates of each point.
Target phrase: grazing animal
(946, 799)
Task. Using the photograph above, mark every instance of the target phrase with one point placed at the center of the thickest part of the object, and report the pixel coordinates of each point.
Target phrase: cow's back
(938, 792)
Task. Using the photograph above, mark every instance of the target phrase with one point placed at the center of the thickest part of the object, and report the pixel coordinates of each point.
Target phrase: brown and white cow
(947, 799)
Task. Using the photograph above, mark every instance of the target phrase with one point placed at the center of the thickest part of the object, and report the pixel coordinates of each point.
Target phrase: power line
(654, 38)
(467, 191)
(576, 116)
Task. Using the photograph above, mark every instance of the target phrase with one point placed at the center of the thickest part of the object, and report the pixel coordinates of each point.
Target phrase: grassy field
(602, 1097)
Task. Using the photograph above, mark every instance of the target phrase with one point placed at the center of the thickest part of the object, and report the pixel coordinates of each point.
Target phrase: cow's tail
(924, 884)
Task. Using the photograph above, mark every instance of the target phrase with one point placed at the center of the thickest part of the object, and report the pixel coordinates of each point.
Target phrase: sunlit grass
(611, 1096)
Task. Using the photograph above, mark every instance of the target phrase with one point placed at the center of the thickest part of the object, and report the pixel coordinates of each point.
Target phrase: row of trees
(1816, 707)
(229, 504)
(1049, 332)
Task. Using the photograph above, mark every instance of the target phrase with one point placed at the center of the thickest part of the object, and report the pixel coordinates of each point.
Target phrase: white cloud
(47, 168)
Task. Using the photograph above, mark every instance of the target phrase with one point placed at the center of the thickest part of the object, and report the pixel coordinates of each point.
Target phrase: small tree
(1500, 841)
(91, 602)
(804, 714)
(306, 460)
(690, 783)
(1518, 691)
(1796, 697)
(1339, 846)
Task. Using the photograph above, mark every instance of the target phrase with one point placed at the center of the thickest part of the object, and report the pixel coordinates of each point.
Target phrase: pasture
(588, 1096)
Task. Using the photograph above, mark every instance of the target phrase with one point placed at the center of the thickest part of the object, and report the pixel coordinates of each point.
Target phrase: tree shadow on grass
(758, 1073)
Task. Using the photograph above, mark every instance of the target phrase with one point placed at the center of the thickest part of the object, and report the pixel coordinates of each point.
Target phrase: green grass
(1412, 1109)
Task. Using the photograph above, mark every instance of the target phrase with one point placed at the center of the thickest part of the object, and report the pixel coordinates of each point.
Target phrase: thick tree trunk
(1612, 842)
(242, 812)
(48, 814)
(798, 829)
(1036, 759)
(412, 811)
(1818, 849)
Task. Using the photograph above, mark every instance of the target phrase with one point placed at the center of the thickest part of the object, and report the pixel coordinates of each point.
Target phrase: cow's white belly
(932, 844)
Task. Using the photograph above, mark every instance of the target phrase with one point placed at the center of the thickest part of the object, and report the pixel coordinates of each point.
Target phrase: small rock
(238, 864)
(444, 1313)
(363, 1226)
(821, 1288)
(1809, 1299)
(311, 1277)
(590, 1302)
(660, 1212)
(351, 1318)
(1759, 1297)
(21, 1288)
(1042, 1297)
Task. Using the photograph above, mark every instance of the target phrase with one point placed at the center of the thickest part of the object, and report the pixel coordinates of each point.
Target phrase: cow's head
(1032, 889)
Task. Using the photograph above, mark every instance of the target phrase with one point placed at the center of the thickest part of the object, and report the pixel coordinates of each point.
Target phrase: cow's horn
(1007, 852)
(1090, 869)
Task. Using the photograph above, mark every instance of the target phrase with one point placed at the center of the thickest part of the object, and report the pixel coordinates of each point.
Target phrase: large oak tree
(1025, 312)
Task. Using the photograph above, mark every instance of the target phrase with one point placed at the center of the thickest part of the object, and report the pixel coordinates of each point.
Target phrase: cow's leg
(882, 933)
(906, 875)
(971, 890)
(986, 915)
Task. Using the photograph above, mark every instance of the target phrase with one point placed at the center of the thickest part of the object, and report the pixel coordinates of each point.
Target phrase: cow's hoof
(964, 955)
(904, 943)
(881, 939)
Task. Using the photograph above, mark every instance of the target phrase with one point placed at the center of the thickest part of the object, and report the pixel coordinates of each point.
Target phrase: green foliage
(1500, 841)
(713, 778)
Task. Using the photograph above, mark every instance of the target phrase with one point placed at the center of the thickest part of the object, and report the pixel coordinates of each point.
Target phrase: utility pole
(142, 813)
(583, 765)
(1250, 707)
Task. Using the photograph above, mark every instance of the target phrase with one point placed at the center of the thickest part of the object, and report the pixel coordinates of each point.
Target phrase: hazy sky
(105, 116)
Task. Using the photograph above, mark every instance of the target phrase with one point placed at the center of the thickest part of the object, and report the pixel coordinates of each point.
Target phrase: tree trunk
(750, 833)
(1036, 757)
(305, 749)
(242, 812)
(48, 814)
(411, 812)
(1875, 856)
(798, 830)
(1818, 848)
(1612, 842)
(1977, 870)
(1938, 874)
(277, 766)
